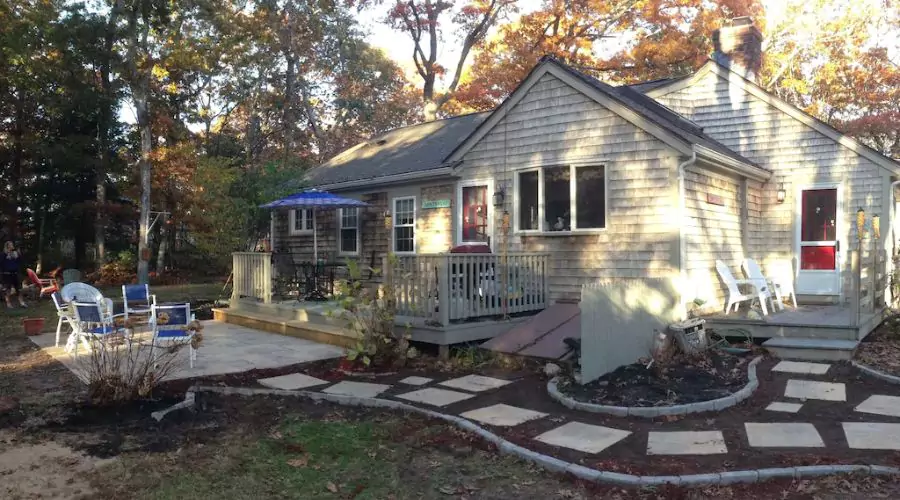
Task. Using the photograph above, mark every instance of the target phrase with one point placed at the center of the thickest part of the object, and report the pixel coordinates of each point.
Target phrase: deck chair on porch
(754, 273)
(735, 296)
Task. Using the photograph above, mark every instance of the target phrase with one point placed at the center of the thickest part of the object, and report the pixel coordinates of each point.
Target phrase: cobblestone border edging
(550, 463)
(876, 373)
(659, 411)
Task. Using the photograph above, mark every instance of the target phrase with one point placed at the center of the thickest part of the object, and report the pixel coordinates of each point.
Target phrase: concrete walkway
(226, 348)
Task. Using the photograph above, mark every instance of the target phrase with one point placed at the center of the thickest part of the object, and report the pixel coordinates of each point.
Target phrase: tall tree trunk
(140, 94)
(103, 131)
(163, 243)
(18, 159)
(42, 226)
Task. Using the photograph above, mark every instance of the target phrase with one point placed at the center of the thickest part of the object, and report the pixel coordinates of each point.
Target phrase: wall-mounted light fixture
(387, 219)
(781, 194)
(860, 223)
(499, 197)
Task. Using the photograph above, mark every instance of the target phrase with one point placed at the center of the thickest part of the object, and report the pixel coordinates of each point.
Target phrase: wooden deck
(312, 320)
(807, 321)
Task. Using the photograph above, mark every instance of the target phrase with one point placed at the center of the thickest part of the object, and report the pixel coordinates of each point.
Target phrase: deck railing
(252, 276)
(868, 270)
(453, 287)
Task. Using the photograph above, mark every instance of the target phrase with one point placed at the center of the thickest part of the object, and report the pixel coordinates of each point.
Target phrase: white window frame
(340, 228)
(394, 225)
(306, 215)
(573, 209)
(459, 210)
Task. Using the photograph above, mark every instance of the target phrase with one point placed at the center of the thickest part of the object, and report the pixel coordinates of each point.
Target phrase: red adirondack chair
(46, 285)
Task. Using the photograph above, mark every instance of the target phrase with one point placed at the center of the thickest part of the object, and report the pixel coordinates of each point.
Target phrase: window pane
(590, 197)
(349, 217)
(298, 220)
(308, 217)
(475, 213)
(348, 240)
(819, 213)
(528, 200)
(557, 198)
(403, 239)
(404, 211)
(817, 258)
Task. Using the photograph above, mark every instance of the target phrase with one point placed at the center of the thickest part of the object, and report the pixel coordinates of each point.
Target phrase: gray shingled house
(656, 180)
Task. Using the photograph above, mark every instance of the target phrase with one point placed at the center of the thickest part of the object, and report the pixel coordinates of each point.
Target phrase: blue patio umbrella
(313, 199)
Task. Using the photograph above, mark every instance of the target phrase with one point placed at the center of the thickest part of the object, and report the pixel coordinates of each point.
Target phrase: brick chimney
(738, 45)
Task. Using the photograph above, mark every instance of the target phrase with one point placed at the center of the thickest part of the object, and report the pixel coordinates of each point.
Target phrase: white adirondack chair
(754, 273)
(735, 296)
(781, 273)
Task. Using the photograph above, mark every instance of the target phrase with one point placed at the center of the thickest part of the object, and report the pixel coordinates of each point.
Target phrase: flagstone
(872, 435)
(802, 367)
(475, 383)
(292, 382)
(813, 389)
(784, 407)
(783, 435)
(435, 397)
(880, 405)
(503, 415)
(416, 380)
(583, 437)
(357, 389)
(686, 443)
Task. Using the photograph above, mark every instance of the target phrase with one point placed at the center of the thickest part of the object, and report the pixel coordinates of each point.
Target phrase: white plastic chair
(170, 326)
(782, 275)
(735, 296)
(93, 321)
(65, 315)
(754, 273)
(137, 299)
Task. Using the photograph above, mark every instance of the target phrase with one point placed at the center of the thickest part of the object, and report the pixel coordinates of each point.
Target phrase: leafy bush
(371, 314)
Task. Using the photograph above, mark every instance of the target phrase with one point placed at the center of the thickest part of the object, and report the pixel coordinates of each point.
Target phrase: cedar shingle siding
(554, 124)
(797, 154)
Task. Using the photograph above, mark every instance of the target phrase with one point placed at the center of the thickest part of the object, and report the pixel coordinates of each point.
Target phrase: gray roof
(647, 86)
(403, 150)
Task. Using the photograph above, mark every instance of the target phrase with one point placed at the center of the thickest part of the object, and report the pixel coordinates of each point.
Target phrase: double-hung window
(404, 236)
(348, 231)
(301, 221)
(561, 198)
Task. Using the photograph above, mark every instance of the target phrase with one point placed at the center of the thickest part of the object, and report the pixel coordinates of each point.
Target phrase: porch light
(876, 226)
(499, 197)
(781, 194)
(387, 218)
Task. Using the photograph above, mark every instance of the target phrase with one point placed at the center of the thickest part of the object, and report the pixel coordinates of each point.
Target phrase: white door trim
(838, 233)
(458, 210)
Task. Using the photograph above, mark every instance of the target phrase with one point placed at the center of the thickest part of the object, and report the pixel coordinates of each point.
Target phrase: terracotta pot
(33, 326)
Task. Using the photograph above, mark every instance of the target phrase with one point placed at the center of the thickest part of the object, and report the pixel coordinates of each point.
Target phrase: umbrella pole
(315, 240)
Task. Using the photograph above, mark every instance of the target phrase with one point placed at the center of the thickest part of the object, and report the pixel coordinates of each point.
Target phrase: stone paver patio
(435, 397)
(783, 435)
(357, 389)
(880, 405)
(226, 348)
(872, 436)
(475, 383)
(813, 389)
(583, 437)
(503, 415)
(686, 443)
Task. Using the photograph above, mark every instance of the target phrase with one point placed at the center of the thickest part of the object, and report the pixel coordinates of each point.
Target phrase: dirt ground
(53, 445)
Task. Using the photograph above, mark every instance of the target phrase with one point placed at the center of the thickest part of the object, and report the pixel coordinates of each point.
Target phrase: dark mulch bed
(713, 375)
(881, 349)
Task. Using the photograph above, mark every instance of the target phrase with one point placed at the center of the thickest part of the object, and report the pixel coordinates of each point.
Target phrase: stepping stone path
(812, 389)
(783, 435)
(589, 438)
(503, 415)
(784, 407)
(801, 367)
(583, 437)
(292, 382)
(880, 405)
(416, 380)
(357, 389)
(872, 436)
(686, 443)
(475, 383)
(435, 397)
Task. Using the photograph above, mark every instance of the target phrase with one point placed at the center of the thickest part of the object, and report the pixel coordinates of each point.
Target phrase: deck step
(811, 349)
(326, 334)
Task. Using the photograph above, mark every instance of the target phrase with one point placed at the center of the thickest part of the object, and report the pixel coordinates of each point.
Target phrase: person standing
(10, 264)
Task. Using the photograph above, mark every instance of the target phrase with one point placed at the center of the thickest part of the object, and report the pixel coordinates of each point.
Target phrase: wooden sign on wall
(426, 204)
(714, 199)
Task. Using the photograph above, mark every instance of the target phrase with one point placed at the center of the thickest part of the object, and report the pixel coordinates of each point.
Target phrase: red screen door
(475, 214)
(819, 268)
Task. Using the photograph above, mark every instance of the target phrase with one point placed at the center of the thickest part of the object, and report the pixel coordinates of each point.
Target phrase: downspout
(893, 247)
(682, 245)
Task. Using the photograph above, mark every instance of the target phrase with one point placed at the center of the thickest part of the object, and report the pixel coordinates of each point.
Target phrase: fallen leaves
(299, 462)
(331, 487)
